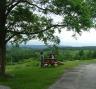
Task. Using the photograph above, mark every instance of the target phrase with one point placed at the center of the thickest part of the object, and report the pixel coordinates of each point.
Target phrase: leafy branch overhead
(31, 19)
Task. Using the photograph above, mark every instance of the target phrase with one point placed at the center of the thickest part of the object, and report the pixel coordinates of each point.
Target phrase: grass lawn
(29, 75)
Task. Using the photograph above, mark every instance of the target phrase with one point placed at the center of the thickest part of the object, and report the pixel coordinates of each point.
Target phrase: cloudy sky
(86, 39)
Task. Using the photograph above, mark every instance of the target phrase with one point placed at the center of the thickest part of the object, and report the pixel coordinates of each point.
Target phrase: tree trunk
(2, 56)
(2, 36)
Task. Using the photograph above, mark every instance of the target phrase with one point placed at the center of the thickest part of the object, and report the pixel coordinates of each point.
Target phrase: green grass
(28, 75)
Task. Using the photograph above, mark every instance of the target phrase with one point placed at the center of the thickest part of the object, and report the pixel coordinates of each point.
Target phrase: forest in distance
(62, 53)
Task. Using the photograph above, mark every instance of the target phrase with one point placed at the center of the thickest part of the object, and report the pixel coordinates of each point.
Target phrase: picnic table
(50, 61)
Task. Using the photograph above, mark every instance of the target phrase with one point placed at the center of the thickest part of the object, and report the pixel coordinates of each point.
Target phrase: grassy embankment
(28, 75)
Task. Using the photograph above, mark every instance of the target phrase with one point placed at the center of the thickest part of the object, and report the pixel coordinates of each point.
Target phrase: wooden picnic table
(50, 61)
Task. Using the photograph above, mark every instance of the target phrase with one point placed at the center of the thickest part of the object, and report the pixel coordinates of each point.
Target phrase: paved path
(83, 77)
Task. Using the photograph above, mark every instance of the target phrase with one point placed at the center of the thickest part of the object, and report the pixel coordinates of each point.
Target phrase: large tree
(23, 20)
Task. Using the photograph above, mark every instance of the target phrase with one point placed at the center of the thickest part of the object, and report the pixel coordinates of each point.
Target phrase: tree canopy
(29, 19)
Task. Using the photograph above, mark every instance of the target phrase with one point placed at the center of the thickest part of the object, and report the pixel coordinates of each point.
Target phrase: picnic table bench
(50, 61)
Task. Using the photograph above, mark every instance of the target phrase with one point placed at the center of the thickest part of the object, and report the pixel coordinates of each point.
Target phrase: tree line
(15, 55)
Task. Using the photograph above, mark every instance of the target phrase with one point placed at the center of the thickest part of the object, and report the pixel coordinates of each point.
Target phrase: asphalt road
(4, 87)
(83, 77)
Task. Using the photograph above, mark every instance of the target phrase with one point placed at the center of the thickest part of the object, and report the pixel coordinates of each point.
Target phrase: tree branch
(9, 38)
(22, 32)
(37, 6)
(10, 3)
(34, 5)
(12, 6)
(24, 1)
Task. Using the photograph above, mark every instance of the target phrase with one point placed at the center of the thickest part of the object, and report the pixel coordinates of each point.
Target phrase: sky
(86, 39)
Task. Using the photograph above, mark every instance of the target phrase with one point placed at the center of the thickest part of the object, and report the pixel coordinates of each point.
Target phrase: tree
(94, 54)
(81, 54)
(22, 20)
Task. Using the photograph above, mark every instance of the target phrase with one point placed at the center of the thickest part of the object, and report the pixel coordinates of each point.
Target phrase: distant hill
(35, 46)
(83, 47)
(62, 47)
